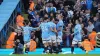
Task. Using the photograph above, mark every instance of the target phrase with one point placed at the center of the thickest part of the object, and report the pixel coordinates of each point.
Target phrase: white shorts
(27, 43)
(76, 42)
(59, 39)
(52, 39)
(45, 40)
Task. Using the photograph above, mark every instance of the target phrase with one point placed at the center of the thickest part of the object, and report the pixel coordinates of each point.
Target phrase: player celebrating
(26, 33)
(45, 34)
(77, 35)
(60, 25)
(52, 35)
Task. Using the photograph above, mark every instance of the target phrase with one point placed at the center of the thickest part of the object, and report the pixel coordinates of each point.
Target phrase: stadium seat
(8, 12)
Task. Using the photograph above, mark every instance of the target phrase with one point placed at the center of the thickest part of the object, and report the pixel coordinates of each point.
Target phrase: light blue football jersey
(45, 28)
(60, 24)
(27, 32)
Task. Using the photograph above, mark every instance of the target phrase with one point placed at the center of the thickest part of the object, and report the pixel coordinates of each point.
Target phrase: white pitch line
(66, 52)
(11, 53)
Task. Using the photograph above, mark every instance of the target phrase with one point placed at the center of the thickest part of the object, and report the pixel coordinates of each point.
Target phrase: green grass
(57, 55)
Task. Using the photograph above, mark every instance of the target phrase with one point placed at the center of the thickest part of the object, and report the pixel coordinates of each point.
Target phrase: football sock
(82, 48)
(72, 50)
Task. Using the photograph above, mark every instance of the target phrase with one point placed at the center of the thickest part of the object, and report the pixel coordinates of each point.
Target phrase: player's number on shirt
(44, 28)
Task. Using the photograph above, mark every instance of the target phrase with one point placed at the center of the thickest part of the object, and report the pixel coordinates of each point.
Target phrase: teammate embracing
(52, 35)
(59, 26)
(45, 33)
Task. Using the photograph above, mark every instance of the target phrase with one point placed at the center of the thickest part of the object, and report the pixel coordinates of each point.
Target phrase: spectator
(98, 8)
(19, 36)
(39, 5)
(51, 8)
(97, 23)
(33, 37)
(18, 47)
(81, 20)
(31, 7)
(68, 2)
(65, 14)
(90, 27)
(83, 5)
(68, 38)
(77, 6)
(61, 7)
(26, 5)
(56, 4)
(31, 16)
(87, 15)
(35, 21)
(84, 31)
(70, 13)
(94, 9)
(89, 4)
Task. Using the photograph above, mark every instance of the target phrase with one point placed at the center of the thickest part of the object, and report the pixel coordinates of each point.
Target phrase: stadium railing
(6, 21)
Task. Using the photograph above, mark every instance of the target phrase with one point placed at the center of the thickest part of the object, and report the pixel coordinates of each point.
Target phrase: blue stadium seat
(8, 12)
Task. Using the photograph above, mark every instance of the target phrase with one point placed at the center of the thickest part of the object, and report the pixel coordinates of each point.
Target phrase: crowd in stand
(86, 13)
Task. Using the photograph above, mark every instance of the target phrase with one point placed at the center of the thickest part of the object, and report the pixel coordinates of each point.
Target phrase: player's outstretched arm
(37, 28)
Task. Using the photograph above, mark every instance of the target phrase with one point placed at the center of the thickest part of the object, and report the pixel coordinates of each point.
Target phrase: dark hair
(51, 18)
(26, 22)
(78, 20)
(90, 21)
(86, 37)
(12, 30)
(56, 20)
(45, 18)
(93, 29)
(18, 13)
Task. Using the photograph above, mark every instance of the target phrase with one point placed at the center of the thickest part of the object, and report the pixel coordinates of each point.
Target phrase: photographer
(18, 47)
